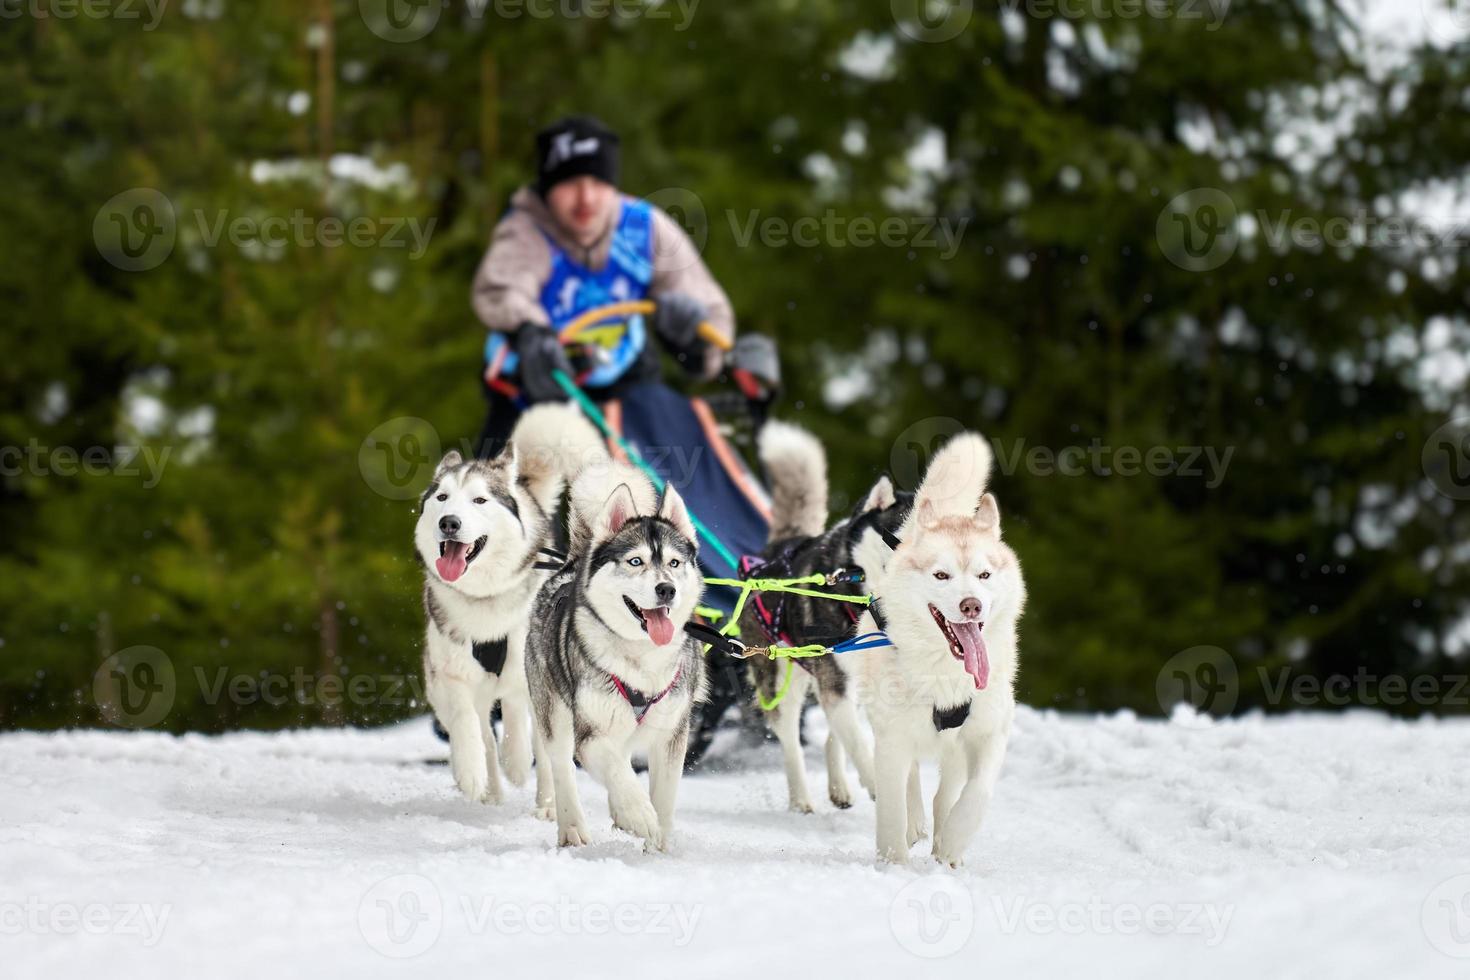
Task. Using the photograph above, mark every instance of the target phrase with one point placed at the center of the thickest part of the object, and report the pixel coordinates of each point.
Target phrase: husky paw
(947, 854)
(544, 811)
(893, 855)
(639, 818)
(801, 806)
(840, 795)
(917, 832)
(517, 766)
(472, 779)
(573, 835)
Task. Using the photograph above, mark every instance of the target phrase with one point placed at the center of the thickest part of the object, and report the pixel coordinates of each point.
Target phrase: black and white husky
(610, 669)
(481, 526)
(952, 594)
(796, 466)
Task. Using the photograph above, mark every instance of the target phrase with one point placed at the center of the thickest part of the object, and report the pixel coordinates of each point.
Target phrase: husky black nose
(970, 608)
(449, 524)
(665, 593)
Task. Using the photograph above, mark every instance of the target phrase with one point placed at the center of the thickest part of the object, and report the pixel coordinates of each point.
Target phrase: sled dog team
(590, 662)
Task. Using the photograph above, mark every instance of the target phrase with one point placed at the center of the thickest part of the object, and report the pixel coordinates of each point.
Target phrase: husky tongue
(452, 563)
(660, 626)
(977, 664)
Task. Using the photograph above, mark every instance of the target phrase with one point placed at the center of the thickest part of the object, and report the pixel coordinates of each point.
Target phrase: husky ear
(987, 515)
(509, 462)
(927, 515)
(618, 510)
(880, 497)
(671, 508)
(450, 461)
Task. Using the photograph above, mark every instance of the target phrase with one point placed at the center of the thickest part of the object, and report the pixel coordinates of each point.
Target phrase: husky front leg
(842, 717)
(917, 830)
(983, 762)
(891, 764)
(632, 810)
(837, 789)
(545, 796)
(454, 705)
(571, 825)
(952, 773)
(515, 720)
(484, 707)
(665, 768)
(785, 721)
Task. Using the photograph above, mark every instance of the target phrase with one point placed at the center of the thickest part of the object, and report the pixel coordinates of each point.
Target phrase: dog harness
(637, 700)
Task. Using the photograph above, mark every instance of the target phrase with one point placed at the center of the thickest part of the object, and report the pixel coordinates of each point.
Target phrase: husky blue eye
(635, 562)
(673, 563)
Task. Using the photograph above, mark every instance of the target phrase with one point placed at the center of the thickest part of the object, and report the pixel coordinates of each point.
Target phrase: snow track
(1305, 846)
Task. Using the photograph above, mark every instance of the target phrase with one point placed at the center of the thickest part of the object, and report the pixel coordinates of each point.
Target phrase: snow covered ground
(1311, 846)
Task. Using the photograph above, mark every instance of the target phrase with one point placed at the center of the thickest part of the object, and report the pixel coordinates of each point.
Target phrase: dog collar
(951, 717)
(637, 700)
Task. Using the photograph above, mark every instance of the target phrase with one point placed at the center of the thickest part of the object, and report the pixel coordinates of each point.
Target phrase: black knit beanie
(574, 147)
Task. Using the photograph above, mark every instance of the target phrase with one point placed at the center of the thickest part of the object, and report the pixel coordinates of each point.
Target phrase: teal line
(595, 414)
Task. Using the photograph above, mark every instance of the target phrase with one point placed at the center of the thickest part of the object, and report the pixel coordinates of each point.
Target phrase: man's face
(583, 206)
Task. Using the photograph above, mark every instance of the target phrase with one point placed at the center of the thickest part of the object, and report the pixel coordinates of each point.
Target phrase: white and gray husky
(952, 594)
(481, 526)
(610, 669)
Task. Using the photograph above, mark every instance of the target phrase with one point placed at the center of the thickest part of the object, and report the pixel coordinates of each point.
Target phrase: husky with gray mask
(481, 526)
(610, 669)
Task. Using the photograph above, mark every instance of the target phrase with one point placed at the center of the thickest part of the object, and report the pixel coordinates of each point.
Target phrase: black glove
(676, 320)
(540, 353)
